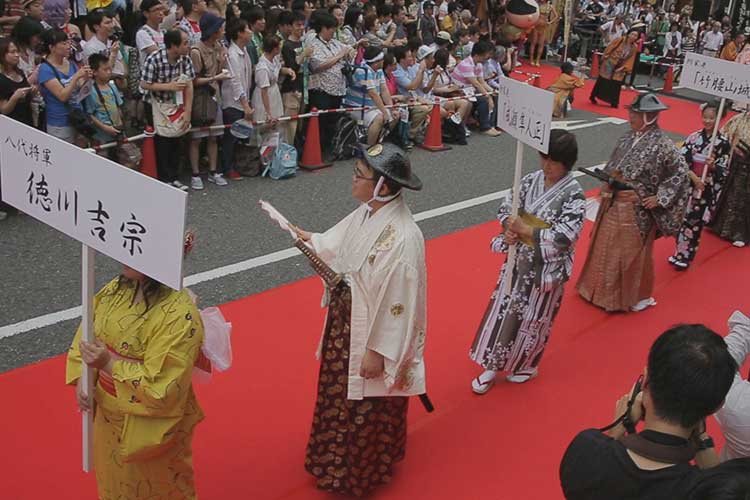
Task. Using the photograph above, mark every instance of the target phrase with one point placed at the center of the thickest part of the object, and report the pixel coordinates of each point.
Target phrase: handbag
(204, 104)
(78, 118)
(169, 119)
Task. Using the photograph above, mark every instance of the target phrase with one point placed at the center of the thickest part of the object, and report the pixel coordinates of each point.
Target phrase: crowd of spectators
(92, 73)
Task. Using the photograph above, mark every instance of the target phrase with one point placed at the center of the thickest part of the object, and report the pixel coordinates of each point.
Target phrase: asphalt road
(40, 267)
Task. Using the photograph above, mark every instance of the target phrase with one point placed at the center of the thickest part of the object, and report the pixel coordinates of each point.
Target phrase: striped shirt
(365, 79)
(467, 69)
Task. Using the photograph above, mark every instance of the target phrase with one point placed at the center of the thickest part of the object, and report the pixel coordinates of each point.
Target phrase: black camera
(116, 35)
(348, 71)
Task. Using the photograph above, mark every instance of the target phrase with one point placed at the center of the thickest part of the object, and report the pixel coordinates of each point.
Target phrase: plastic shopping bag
(217, 344)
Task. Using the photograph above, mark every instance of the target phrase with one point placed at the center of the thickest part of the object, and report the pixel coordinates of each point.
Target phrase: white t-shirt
(712, 41)
(442, 11)
(609, 34)
(147, 37)
(96, 46)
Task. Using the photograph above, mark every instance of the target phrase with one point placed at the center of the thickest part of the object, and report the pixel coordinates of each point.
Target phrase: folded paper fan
(276, 216)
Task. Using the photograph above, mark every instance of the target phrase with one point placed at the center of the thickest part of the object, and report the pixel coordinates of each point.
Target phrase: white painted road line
(245, 265)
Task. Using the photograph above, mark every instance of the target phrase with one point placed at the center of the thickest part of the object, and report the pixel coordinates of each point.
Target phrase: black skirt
(607, 90)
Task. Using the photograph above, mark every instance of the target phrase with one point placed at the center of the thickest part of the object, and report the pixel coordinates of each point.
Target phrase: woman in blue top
(60, 81)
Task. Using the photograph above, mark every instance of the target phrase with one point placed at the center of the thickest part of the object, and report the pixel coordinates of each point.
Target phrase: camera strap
(660, 447)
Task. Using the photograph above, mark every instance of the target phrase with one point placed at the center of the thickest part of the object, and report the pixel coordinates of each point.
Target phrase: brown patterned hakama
(353, 443)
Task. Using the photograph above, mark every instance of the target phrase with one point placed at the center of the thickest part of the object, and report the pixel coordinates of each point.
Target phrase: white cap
(424, 52)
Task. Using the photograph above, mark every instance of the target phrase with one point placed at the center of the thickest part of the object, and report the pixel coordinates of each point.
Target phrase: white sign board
(716, 76)
(525, 112)
(121, 213)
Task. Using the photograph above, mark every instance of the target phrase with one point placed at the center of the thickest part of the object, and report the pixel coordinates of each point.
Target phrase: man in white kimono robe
(372, 346)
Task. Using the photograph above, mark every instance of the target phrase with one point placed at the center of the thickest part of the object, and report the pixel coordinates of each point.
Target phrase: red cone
(148, 154)
(433, 140)
(669, 79)
(312, 159)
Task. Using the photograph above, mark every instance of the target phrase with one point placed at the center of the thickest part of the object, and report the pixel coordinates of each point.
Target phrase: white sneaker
(218, 179)
(739, 244)
(522, 376)
(180, 186)
(484, 382)
(518, 64)
(640, 306)
(196, 183)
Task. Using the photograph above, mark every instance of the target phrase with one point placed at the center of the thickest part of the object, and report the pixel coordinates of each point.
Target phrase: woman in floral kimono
(695, 150)
(618, 60)
(515, 328)
(148, 339)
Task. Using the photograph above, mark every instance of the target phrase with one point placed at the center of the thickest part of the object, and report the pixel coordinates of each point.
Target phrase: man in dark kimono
(645, 199)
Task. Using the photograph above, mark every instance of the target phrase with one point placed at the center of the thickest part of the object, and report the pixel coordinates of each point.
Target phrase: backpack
(345, 139)
(284, 163)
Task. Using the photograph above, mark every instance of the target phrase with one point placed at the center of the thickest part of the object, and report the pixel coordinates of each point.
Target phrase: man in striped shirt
(370, 89)
(469, 74)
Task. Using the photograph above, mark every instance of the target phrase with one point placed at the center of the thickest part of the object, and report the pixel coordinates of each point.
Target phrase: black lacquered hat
(648, 103)
(391, 162)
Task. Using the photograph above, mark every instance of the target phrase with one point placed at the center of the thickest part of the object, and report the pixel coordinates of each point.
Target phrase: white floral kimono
(383, 260)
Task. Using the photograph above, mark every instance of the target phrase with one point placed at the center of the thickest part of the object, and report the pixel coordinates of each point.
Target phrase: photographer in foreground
(689, 373)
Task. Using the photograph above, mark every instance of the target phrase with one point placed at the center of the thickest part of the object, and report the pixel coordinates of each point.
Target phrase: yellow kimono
(563, 88)
(146, 411)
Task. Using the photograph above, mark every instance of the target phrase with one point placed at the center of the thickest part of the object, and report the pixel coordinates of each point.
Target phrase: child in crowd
(103, 103)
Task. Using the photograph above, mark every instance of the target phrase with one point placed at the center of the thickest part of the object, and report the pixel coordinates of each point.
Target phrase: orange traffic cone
(537, 81)
(595, 65)
(433, 139)
(148, 154)
(312, 159)
(669, 79)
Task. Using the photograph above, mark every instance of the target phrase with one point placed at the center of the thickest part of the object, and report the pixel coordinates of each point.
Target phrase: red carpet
(506, 444)
(681, 118)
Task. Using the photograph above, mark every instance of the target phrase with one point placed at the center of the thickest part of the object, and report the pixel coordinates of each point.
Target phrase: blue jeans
(486, 119)
(230, 115)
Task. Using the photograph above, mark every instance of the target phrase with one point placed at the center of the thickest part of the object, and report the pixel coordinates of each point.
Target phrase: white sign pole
(713, 140)
(510, 263)
(525, 113)
(87, 323)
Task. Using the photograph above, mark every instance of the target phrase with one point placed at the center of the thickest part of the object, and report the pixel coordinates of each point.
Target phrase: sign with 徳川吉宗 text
(525, 112)
(119, 212)
(729, 80)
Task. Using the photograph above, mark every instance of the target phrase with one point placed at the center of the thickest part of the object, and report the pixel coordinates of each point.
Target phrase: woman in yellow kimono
(148, 338)
(563, 88)
(617, 62)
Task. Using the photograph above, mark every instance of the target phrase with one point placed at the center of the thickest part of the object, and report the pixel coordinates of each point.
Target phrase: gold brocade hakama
(353, 444)
(619, 268)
